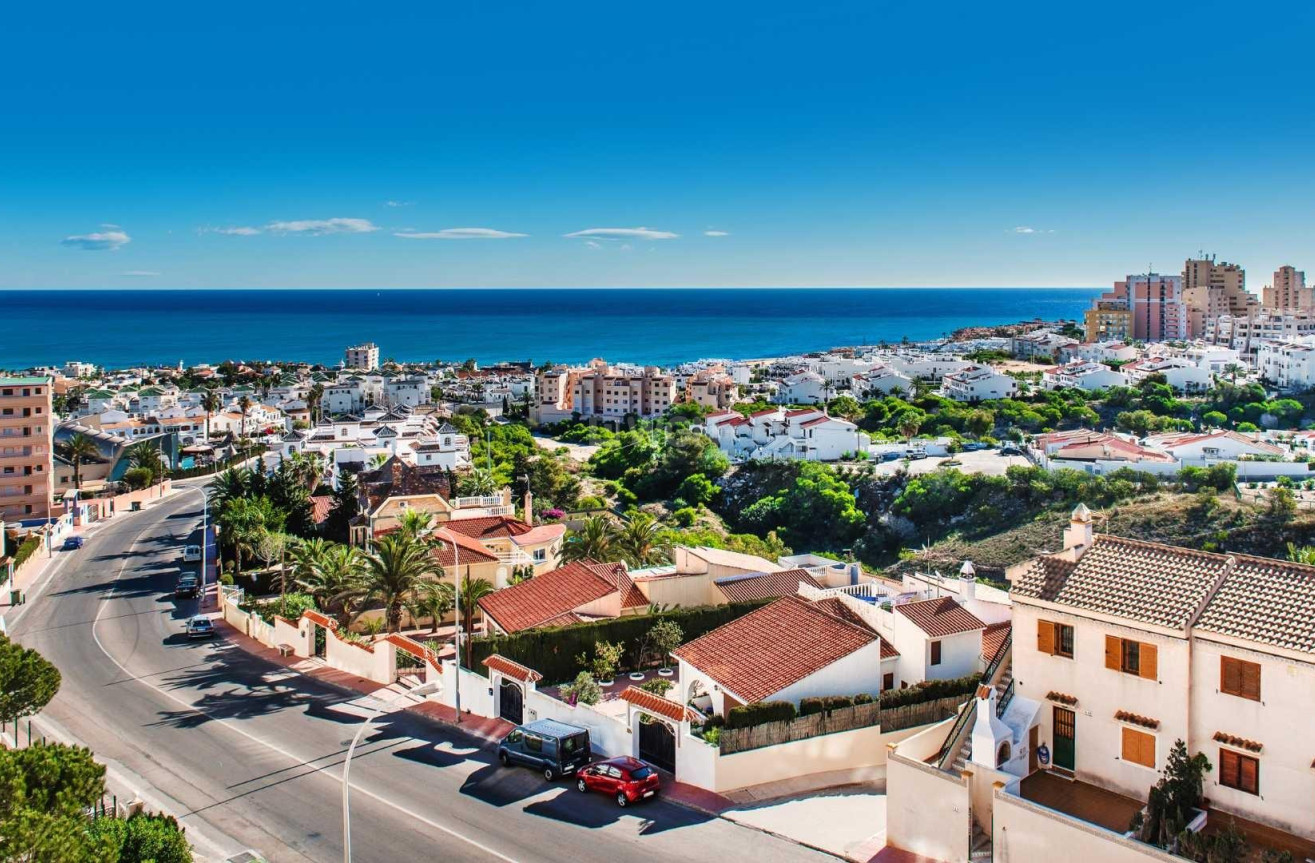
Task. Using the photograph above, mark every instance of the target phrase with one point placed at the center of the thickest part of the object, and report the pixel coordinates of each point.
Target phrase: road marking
(265, 743)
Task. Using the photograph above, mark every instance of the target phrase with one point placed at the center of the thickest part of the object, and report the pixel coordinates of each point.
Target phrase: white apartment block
(978, 383)
(1179, 373)
(1082, 375)
(1245, 334)
(601, 391)
(1287, 365)
(776, 433)
(364, 357)
(805, 388)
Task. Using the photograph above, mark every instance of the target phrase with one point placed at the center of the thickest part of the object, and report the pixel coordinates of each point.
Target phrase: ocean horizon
(661, 326)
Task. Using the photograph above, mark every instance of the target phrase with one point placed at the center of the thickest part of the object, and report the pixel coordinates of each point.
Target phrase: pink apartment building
(1157, 305)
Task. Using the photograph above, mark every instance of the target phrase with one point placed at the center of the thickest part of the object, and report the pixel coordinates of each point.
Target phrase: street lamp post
(422, 690)
(205, 539)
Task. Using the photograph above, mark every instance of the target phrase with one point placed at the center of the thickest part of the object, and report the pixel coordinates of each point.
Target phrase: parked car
(625, 779)
(553, 747)
(191, 554)
(73, 542)
(188, 587)
(975, 446)
(890, 456)
(1010, 449)
(200, 627)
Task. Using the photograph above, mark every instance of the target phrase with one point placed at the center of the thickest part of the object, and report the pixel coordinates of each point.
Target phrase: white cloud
(716, 233)
(459, 234)
(1024, 229)
(623, 234)
(318, 227)
(140, 274)
(232, 231)
(398, 203)
(98, 241)
(593, 244)
(109, 227)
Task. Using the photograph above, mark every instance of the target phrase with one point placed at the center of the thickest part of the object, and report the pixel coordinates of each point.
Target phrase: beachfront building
(1040, 345)
(26, 451)
(1212, 288)
(1108, 320)
(364, 357)
(601, 391)
(1289, 291)
(1082, 375)
(880, 381)
(712, 388)
(978, 383)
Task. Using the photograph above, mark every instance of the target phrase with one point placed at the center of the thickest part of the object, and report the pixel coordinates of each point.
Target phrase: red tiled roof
(468, 550)
(764, 413)
(544, 597)
(570, 618)
(836, 607)
(488, 526)
(940, 617)
(511, 668)
(763, 652)
(542, 533)
(994, 636)
(764, 585)
(801, 412)
(320, 506)
(653, 703)
(818, 421)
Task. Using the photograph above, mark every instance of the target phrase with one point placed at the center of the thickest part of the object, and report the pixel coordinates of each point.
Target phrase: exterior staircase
(979, 847)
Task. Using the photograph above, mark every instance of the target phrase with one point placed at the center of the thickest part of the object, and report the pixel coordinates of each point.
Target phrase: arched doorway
(511, 701)
(657, 743)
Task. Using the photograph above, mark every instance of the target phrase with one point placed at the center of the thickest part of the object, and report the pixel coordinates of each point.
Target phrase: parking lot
(988, 461)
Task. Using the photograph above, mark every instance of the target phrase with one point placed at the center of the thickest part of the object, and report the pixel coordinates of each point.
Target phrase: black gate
(657, 744)
(511, 702)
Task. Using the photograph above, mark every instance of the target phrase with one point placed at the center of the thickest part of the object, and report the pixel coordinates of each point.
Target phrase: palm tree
(471, 593)
(244, 405)
(77, 449)
(211, 403)
(145, 455)
(481, 482)
(432, 599)
(379, 460)
(330, 573)
(1303, 554)
(417, 524)
(593, 541)
(640, 542)
(313, 400)
(392, 573)
(229, 485)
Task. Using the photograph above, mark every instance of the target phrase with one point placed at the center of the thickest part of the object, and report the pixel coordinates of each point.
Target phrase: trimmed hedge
(930, 690)
(553, 652)
(760, 712)
(827, 703)
(26, 550)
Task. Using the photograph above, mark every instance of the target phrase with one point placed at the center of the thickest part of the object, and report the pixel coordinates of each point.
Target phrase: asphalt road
(250, 755)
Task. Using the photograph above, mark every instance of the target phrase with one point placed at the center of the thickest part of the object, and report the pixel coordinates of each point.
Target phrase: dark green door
(1065, 738)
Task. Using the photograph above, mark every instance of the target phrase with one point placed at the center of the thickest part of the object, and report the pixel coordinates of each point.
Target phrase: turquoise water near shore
(118, 328)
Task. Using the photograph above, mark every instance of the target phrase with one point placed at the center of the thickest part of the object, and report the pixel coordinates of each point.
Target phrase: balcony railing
(1005, 697)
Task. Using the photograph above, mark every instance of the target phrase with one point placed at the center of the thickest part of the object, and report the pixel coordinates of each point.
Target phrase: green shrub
(827, 703)
(658, 686)
(759, 712)
(930, 690)
(26, 550)
(585, 690)
(685, 516)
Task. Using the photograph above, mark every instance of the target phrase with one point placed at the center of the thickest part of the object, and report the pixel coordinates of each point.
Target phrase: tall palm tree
(417, 524)
(313, 400)
(244, 406)
(640, 542)
(330, 573)
(145, 455)
(432, 599)
(396, 567)
(77, 449)
(210, 403)
(594, 540)
(481, 482)
(229, 485)
(471, 593)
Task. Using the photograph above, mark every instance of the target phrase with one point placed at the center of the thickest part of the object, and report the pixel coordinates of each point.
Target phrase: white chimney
(529, 506)
(1078, 534)
(967, 582)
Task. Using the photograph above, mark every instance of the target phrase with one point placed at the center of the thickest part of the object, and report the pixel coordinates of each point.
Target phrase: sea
(123, 328)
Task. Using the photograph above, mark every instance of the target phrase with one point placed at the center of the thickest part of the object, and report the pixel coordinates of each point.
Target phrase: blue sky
(840, 143)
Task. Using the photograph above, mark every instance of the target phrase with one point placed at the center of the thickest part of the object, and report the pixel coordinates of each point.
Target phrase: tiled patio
(1095, 805)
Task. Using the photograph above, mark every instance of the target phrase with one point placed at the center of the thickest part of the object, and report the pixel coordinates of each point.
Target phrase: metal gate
(511, 702)
(657, 744)
(1065, 738)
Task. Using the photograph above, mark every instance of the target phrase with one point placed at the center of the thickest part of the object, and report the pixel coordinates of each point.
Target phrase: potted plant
(603, 664)
(664, 637)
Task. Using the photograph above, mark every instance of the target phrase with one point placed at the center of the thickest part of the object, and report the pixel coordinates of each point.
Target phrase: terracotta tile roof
(801, 412)
(468, 551)
(1267, 601)
(836, 607)
(544, 597)
(1142, 581)
(817, 422)
(764, 413)
(763, 652)
(570, 618)
(542, 533)
(764, 585)
(993, 637)
(320, 507)
(511, 668)
(489, 526)
(940, 617)
(665, 707)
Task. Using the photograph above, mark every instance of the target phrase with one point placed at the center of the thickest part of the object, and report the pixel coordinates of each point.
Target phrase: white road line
(265, 743)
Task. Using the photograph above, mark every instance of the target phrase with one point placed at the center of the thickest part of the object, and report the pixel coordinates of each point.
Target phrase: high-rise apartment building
(602, 391)
(1152, 304)
(1108, 321)
(1212, 288)
(26, 430)
(364, 357)
(1289, 291)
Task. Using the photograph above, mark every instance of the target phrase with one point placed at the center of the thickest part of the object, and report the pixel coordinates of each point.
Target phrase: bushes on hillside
(759, 712)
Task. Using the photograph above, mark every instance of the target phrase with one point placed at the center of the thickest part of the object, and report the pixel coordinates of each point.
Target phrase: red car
(627, 779)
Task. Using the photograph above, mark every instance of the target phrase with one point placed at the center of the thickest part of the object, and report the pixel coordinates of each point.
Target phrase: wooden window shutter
(1150, 667)
(1138, 747)
(1113, 647)
(1045, 637)
(1228, 768)
(1230, 675)
(1250, 680)
(1249, 768)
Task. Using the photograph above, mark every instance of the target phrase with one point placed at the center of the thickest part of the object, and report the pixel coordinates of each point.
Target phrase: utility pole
(456, 574)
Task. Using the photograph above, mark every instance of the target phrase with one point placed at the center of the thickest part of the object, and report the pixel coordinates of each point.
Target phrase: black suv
(188, 587)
